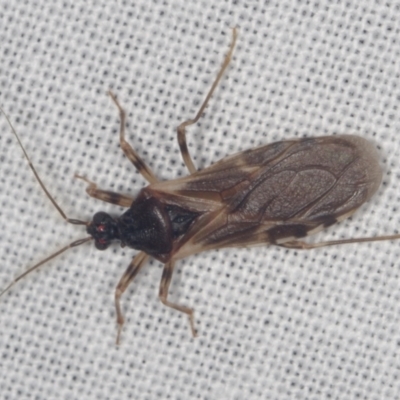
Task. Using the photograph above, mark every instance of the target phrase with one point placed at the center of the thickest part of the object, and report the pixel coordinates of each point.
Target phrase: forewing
(278, 192)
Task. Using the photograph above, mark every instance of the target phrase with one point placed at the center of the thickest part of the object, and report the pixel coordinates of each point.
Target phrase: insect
(274, 194)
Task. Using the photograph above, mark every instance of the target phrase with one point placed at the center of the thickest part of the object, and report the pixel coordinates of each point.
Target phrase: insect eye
(101, 244)
(101, 228)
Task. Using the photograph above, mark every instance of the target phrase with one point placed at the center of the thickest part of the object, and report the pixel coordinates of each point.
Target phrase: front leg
(106, 195)
(135, 159)
(133, 269)
(163, 294)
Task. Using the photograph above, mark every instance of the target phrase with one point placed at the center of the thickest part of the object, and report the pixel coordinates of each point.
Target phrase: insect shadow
(274, 194)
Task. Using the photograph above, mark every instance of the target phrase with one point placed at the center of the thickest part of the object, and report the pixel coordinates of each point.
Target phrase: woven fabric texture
(272, 323)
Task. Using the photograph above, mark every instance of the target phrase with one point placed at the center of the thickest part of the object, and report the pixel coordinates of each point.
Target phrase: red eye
(101, 228)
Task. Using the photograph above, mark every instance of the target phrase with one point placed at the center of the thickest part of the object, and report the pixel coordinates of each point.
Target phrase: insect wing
(276, 193)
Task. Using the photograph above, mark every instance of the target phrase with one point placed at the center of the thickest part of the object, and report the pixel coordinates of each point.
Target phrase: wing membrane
(276, 192)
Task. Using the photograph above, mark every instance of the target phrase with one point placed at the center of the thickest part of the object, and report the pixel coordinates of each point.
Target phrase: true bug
(273, 194)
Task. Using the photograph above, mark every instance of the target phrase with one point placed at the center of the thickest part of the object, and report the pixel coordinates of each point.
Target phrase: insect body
(274, 194)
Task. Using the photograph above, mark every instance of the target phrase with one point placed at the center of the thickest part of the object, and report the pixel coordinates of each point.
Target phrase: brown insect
(273, 194)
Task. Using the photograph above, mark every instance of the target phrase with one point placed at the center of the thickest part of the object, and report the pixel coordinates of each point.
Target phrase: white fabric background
(273, 323)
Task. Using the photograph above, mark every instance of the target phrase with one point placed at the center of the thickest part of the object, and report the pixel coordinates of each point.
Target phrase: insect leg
(163, 294)
(182, 127)
(304, 245)
(106, 195)
(134, 267)
(140, 165)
